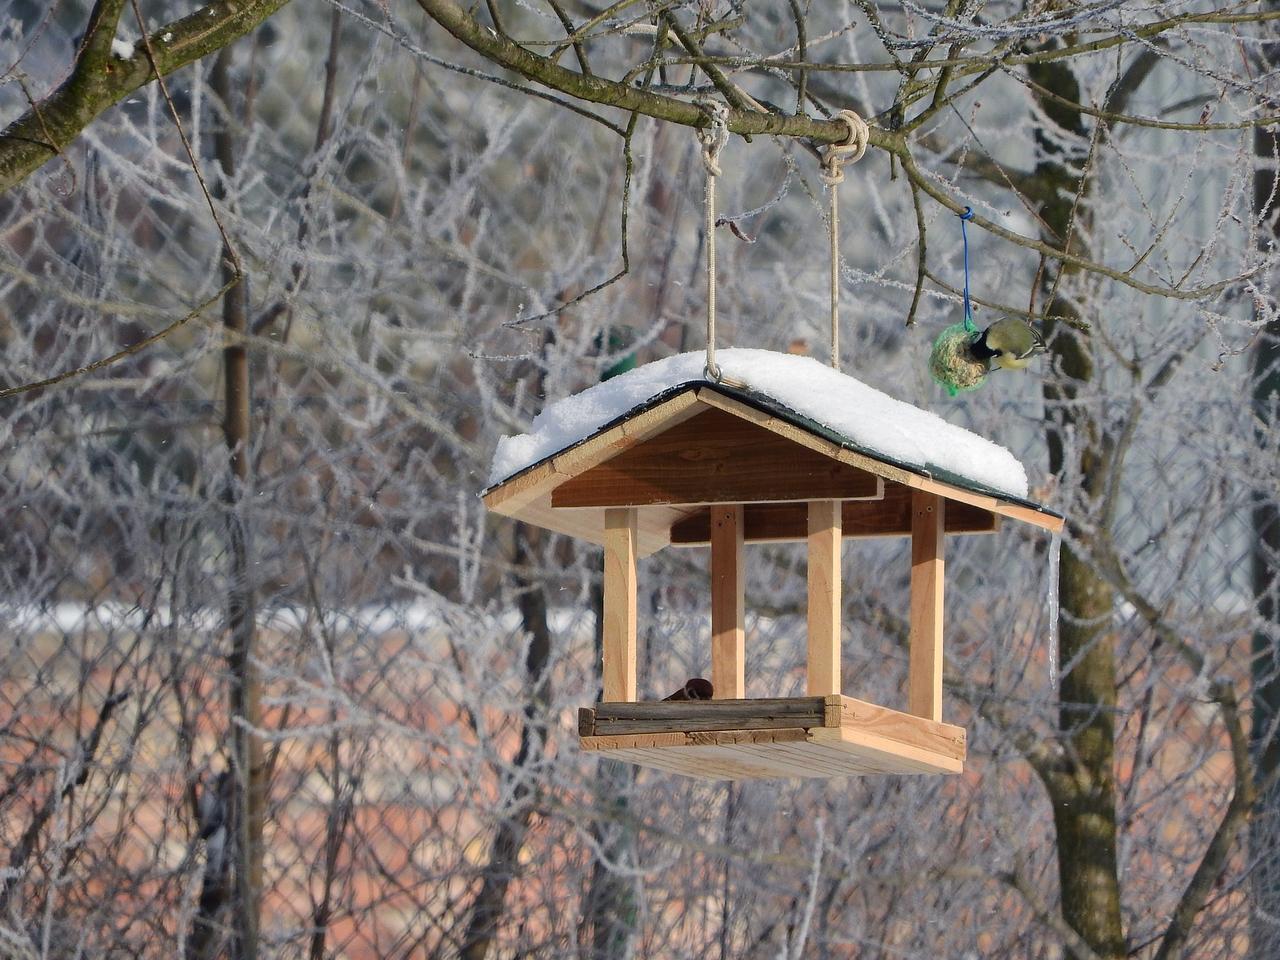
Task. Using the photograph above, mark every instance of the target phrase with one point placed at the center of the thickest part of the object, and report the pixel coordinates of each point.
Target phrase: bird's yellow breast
(1007, 361)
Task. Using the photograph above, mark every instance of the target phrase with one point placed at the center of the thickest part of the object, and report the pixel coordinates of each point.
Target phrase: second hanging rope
(712, 137)
(834, 157)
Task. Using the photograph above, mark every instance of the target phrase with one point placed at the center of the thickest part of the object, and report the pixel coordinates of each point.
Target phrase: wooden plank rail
(672, 715)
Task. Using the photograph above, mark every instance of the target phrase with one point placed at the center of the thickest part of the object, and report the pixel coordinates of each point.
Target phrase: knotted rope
(834, 157)
(712, 137)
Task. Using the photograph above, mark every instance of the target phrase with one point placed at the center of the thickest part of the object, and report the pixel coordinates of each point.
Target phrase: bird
(697, 688)
(1007, 344)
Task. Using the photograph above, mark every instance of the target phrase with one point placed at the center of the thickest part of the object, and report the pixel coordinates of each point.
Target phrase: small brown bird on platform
(694, 689)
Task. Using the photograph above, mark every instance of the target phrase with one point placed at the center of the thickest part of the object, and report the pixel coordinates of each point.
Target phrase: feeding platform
(662, 457)
(830, 736)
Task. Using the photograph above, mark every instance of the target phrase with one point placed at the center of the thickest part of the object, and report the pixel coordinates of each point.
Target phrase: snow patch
(872, 420)
(121, 49)
(419, 617)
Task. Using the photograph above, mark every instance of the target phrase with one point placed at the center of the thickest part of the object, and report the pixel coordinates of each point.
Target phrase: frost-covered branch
(107, 70)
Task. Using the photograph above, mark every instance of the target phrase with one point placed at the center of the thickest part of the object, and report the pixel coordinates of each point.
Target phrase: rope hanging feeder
(834, 157)
(951, 362)
(713, 137)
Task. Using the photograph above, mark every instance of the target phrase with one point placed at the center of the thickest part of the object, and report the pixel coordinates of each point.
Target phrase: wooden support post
(924, 677)
(728, 626)
(824, 597)
(620, 604)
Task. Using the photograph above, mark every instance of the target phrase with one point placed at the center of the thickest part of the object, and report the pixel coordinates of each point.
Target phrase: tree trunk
(1082, 787)
(608, 909)
(1083, 794)
(1264, 833)
(487, 910)
(245, 698)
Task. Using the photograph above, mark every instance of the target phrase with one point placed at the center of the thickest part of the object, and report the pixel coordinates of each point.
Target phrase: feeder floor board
(831, 736)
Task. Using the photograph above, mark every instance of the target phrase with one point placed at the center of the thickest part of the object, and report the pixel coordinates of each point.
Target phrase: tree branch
(1075, 944)
(119, 354)
(1082, 263)
(74, 773)
(922, 253)
(967, 66)
(1136, 121)
(579, 48)
(802, 50)
(1214, 861)
(95, 48)
(101, 78)
(595, 89)
(714, 73)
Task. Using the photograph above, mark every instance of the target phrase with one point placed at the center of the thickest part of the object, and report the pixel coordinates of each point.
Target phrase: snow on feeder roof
(797, 392)
(661, 456)
(861, 417)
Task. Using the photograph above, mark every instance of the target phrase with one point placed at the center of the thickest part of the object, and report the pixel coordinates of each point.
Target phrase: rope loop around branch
(715, 135)
(834, 157)
(848, 150)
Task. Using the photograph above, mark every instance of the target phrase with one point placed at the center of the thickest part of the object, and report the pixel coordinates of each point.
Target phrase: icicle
(1051, 605)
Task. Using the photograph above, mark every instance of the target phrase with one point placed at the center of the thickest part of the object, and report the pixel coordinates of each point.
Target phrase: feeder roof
(794, 397)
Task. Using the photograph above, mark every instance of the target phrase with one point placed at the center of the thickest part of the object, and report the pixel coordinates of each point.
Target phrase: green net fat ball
(951, 362)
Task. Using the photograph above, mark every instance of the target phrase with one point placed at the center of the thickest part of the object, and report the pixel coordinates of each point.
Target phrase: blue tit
(1007, 344)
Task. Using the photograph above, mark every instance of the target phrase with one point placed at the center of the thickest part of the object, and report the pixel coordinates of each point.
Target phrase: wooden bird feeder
(703, 464)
